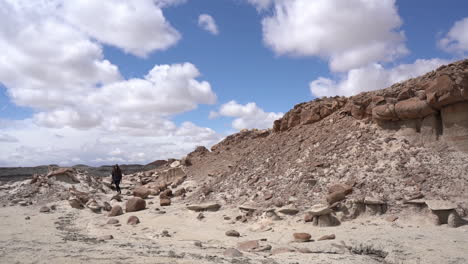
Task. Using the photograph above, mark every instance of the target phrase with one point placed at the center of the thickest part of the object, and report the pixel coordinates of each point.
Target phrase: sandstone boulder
(135, 204)
(133, 220)
(165, 202)
(302, 237)
(141, 192)
(112, 221)
(413, 108)
(115, 211)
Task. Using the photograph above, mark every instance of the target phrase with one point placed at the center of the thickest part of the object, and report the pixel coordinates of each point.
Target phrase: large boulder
(135, 204)
(384, 112)
(141, 192)
(413, 108)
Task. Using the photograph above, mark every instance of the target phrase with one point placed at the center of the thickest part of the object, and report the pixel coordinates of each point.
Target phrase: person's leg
(117, 186)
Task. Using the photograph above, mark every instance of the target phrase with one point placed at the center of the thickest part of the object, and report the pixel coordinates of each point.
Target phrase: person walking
(116, 177)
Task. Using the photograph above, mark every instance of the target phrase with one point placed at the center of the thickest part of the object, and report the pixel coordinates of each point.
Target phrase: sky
(121, 81)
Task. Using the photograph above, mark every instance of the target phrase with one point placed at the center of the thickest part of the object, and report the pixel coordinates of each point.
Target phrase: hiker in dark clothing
(116, 177)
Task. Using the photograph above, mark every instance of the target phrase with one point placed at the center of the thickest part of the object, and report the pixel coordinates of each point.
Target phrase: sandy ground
(69, 235)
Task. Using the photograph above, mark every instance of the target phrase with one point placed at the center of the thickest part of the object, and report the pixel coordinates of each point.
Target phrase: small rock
(106, 237)
(288, 211)
(308, 217)
(44, 209)
(165, 233)
(232, 253)
(198, 244)
(454, 220)
(302, 237)
(106, 206)
(327, 237)
(27, 218)
(53, 207)
(116, 210)
(133, 220)
(204, 207)
(232, 233)
(248, 245)
(319, 209)
(165, 202)
(200, 216)
(263, 248)
(391, 218)
(112, 221)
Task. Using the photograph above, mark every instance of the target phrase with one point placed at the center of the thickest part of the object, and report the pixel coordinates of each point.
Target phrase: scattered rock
(440, 205)
(327, 237)
(248, 245)
(302, 237)
(204, 207)
(135, 204)
(106, 206)
(133, 220)
(232, 253)
(75, 203)
(200, 216)
(44, 209)
(106, 237)
(232, 233)
(27, 218)
(165, 233)
(319, 209)
(116, 210)
(141, 192)
(198, 244)
(165, 202)
(336, 197)
(112, 221)
(454, 220)
(289, 211)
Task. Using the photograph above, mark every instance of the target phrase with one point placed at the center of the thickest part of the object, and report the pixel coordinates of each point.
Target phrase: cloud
(349, 34)
(7, 138)
(135, 105)
(56, 66)
(138, 27)
(39, 145)
(208, 23)
(372, 77)
(261, 4)
(247, 116)
(456, 40)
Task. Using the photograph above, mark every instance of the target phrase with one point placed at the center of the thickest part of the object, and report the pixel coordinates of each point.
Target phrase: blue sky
(73, 88)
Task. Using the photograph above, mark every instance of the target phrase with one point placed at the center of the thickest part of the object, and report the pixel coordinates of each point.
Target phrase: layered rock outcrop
(435, 104)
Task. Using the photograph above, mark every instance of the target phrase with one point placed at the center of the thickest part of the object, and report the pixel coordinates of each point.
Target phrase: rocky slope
(404, 142)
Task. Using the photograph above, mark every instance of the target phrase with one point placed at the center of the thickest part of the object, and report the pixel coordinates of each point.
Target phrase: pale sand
(68, 236)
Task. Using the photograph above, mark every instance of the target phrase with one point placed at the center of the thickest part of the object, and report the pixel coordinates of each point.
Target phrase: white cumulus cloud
(349, 34)
(138, 27)
(247, 116)
(456, 39)
(208, 23)
(371, 77)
